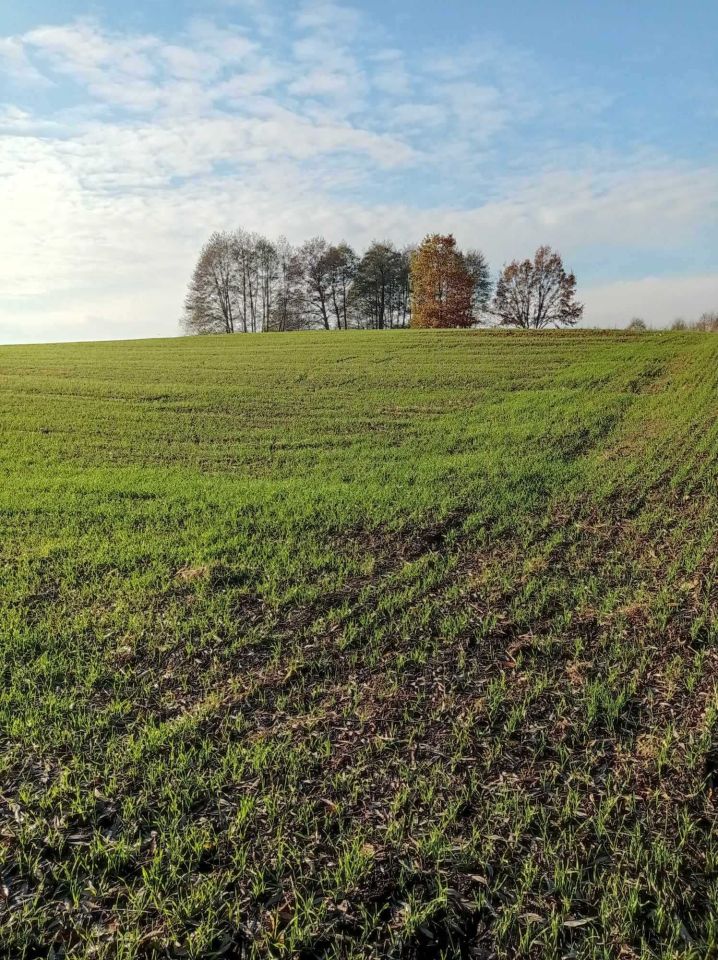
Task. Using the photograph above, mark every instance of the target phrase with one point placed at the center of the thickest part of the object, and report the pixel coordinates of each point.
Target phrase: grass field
(360, 645)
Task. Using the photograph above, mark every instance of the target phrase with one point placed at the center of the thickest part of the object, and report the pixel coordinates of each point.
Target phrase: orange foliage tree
(442, 285)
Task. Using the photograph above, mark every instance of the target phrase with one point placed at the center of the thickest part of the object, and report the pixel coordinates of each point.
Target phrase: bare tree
(478, 268)
(267, 260)
(314, 255)
(708, 322)
(246, 261)
(288, 309)
(244, 282)
(211, 304)
(234, 285)
(537, 294)
(400, 300)
(342, 263)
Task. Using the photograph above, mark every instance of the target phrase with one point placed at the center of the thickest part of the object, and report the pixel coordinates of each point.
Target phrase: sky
(131, 131)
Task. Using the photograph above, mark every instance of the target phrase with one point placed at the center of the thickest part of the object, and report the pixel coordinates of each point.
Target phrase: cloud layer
(120, 152)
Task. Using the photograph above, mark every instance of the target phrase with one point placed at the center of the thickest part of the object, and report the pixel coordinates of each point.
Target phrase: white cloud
(16, 65)
(15, 120)
(391, 74)
(480, 110)
(81, 49)
(105, 205)
(188, 64)
(326, 18)
(230, 46)
(99, 250)
(651, 205)
(115, 69)
(239, 89)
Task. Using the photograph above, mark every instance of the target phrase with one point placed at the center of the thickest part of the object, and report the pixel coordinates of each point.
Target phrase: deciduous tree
(288, 310)
(211, 304)
(381, 287)
(537, 294)
(342, 264)
(708, 321)
(478, 267)
(316, 267)
(442, 286)
(267, 263)
(246, 255)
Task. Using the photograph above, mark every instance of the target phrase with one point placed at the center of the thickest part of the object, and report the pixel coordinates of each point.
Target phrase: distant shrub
(637, 325)
(708, 322)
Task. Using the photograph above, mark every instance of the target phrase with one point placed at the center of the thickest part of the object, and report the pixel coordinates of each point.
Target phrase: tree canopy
(442, 284)
(246, 283)
(537, 293)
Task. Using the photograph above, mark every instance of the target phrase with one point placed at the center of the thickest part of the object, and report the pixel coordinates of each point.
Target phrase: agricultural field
(360, 645)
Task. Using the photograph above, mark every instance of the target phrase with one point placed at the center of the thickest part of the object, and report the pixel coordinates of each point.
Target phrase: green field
(360, 645)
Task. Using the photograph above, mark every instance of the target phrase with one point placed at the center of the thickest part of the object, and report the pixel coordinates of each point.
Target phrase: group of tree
(706, 323)
(245, 283)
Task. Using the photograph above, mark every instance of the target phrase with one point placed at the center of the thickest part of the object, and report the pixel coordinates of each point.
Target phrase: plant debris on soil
(394, 645)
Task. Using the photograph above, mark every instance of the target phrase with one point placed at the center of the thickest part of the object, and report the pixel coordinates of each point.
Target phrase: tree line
(706, 323)
(245, 283)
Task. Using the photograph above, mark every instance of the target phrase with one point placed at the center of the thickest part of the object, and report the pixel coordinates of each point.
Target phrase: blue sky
(130, 131)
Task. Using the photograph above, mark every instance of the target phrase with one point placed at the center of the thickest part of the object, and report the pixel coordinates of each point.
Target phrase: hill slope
(360, 645)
